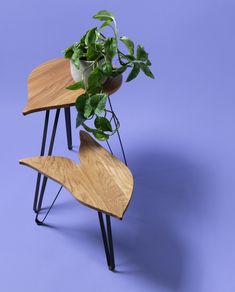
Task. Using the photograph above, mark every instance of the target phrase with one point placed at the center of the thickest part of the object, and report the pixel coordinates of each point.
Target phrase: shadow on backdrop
(169, 193)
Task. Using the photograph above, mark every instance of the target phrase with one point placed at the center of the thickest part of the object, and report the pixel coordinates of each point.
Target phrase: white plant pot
(83, 72)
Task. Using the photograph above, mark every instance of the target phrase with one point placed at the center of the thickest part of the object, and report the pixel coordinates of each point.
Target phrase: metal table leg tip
(112, 268)
(38, 221)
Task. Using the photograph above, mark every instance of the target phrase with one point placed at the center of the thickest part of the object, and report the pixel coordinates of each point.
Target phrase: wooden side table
(100, 181)
(47, 91)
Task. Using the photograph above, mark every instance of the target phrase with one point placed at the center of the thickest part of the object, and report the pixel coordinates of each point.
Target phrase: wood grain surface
(47, 86)
(100, 181)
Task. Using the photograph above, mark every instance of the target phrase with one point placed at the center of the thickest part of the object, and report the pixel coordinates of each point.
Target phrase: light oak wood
(100, 181)
(47, 86)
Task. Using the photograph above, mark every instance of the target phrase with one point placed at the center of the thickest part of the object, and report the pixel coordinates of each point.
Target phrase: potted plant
(91, 63)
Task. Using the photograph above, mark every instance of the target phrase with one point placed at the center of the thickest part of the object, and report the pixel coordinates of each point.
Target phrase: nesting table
(101, 181)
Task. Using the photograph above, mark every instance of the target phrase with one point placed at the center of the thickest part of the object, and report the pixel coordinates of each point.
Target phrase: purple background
(178, 132)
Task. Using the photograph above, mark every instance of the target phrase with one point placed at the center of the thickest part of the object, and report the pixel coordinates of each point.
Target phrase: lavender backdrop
(178, 131)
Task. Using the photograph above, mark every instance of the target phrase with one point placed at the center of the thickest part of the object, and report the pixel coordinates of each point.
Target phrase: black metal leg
(68, 127)
(110, 149)
(40, 222)
(119, 136)
(110, 239)
(41, 154)
(43, 187)
(49, 154)
(107, 240)
(54, 132)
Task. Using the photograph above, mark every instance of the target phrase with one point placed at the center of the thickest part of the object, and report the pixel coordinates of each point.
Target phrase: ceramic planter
(83, 72)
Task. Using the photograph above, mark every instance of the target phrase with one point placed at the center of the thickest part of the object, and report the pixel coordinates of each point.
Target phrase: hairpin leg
(107, 240)
(68, 127)
(44, 182)
(40, 222)
(110, 149)
(119, 136)
(110, 238)
(41, 154)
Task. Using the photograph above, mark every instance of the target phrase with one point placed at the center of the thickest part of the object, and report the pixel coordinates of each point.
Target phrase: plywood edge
(32, 110)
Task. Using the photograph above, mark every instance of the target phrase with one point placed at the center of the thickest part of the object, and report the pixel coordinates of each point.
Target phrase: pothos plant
(101, 50)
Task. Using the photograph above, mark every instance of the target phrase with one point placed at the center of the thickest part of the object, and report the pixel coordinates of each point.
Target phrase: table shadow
(169, 190)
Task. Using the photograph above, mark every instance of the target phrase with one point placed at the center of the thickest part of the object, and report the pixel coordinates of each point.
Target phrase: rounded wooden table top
(100, 181)
(47, 87)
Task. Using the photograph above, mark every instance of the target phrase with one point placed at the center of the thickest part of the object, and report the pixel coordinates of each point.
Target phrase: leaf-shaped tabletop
(47, 86)
(100, 181)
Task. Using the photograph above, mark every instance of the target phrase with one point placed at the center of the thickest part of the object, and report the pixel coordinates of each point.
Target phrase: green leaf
(104, 15)
(87, 108)
(95, 80)
(110, 47)
(129, 44)
(134, 72)
(148, 62)
(75, 58)
(146, 70)
(92, 54)
(128, 57)
(100, 135)
(81, 102)
(91, 36)
(120, 55)
(106, 68)
(95, 99)
(101, 105)
(99, 47)
(141, 54)
(118, 71)
(106, 23)
(68, 52)
(105, 124)
(97, 122)
(87, 128)
(76, 86)
(80, 119)
(82, 40)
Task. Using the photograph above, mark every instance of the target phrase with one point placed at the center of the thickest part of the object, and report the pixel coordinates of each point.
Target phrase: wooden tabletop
(47, 87)
(100, 181)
